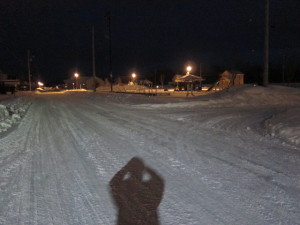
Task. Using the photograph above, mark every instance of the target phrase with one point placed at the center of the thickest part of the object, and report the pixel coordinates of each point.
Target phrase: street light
(133, 75)
(76, 75)
(40, 84)
(189, 84)
(189, 68)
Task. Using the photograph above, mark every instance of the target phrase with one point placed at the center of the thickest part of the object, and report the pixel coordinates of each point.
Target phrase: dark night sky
(146, 35)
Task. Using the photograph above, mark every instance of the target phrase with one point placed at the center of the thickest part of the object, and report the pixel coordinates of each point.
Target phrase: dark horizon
(145, 36)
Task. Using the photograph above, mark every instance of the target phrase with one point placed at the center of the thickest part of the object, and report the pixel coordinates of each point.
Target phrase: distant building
(10, 83)
(231, 78)
(5, 81)
(188, 81)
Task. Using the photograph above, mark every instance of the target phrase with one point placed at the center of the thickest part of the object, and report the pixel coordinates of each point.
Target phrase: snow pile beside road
(255, 96)
(11, 112)
(285, 125)
(246, 95)
(3, 115)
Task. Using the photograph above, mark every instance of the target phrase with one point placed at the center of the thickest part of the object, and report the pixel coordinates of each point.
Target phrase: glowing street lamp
(40, 84)
(188, 69)
(76, 75)
(133, 75)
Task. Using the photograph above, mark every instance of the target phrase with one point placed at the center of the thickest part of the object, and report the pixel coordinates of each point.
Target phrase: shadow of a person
(137, 191)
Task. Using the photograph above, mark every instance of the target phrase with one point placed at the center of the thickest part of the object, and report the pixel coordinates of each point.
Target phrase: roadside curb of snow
(12, 113)
(284, 125)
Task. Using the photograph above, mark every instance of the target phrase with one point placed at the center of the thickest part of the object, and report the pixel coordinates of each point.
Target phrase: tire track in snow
(177, 201)
(230, 163)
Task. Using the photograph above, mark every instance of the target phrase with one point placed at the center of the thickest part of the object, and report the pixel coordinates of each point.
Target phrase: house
(231, 78)
(7, 84)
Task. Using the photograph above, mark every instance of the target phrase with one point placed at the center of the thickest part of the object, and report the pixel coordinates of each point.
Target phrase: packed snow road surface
(71, 161)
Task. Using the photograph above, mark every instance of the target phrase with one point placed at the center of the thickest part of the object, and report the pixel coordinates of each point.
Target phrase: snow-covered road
(217, 165)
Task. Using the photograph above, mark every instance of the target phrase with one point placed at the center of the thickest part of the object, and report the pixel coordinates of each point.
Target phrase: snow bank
(11, 112)
(246, 95)
(285, 125)
(259, 96)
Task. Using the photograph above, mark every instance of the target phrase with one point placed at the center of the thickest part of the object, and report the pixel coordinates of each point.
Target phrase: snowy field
(232, 157)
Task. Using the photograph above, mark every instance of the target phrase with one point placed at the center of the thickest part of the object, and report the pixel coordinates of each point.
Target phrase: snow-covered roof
(189, 78)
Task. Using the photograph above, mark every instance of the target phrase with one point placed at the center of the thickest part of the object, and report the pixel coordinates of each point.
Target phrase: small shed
(189, 80)
(231, 78)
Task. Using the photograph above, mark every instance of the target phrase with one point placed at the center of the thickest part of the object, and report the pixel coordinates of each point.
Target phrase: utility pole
(29, 72)
(283, 68)
(93, 54)
(200, 88)
(266, 63)
(108, 16)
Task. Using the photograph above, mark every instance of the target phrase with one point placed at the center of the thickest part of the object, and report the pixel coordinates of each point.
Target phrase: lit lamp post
(76, 75)
(189, 85)
(40, 84)
(133, 75)
(188, 69)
